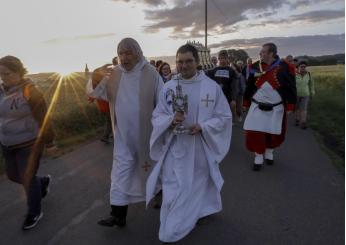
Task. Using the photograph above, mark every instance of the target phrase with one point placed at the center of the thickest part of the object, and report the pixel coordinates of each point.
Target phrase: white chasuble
(188, 166)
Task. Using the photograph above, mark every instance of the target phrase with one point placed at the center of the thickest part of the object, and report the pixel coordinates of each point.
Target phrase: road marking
(75, 221)
(54, 183)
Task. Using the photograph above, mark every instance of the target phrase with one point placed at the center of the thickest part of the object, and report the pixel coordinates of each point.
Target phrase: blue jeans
(21, 166)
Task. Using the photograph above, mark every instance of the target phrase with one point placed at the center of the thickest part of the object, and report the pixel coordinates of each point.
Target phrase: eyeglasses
(187, 62)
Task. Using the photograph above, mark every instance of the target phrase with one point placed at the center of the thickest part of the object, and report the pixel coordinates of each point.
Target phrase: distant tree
(237, 54)
(323, 60)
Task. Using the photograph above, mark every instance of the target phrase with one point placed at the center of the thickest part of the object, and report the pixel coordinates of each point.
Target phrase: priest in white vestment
(188, 164)
(132, 89)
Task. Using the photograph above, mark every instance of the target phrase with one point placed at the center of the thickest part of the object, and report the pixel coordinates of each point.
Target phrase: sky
(64, 35)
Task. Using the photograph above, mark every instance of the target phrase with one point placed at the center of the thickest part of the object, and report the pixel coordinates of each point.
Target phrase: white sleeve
(100, 92)
(161, 120)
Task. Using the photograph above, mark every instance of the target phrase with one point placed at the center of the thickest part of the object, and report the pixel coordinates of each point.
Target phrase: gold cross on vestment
(146, 166)
(207, 100)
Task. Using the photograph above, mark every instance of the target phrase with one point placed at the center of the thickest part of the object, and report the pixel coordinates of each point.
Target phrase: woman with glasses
(165, 72)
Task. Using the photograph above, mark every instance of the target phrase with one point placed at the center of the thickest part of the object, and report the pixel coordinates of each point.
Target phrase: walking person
(25, 130)
(227, 78)
(305, 92)
(102, 105)
(270, 93)
(188, 163)
(131, 89)
(241, 89)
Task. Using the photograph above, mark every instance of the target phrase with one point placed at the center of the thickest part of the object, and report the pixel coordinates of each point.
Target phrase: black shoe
(202, 221)
(31, 221)
(45, 185)
(303, 126)
(156, 204)
(105, 140)
(269, 162)
(118, 217)
(112, 221)
(257, 167)
(297, 123)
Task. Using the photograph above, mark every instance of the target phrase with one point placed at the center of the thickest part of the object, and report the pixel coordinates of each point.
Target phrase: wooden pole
(206, 25)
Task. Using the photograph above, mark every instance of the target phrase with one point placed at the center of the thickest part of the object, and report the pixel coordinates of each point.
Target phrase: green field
(327, 110)
(72, 114)
(74, 118)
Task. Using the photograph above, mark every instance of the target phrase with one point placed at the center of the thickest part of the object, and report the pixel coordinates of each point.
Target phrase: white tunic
(126, 184)
(126, 179)
(265, 121)
(188, 165)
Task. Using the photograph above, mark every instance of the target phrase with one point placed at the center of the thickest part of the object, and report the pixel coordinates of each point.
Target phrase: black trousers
(21, 165)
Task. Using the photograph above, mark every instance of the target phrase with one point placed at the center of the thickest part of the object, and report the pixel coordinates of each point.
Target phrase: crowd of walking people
(171, 127)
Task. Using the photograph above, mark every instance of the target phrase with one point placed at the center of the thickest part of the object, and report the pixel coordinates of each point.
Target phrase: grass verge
(326, 113)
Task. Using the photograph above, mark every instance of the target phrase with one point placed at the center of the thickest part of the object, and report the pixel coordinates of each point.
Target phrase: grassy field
(74, 118)
(327, 110)
(72, 114)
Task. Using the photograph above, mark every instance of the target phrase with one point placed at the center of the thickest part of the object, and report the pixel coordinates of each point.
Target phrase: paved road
(299, 200)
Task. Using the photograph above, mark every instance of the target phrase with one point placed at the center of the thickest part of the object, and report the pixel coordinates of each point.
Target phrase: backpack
(26, 91)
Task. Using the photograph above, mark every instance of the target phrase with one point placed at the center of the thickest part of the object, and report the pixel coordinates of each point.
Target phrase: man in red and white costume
(270, 94)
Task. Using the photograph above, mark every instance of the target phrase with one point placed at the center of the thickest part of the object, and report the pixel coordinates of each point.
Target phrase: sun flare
(65, 73)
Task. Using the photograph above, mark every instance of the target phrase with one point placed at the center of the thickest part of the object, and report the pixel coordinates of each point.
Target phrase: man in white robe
(132, 90)
(188, 164)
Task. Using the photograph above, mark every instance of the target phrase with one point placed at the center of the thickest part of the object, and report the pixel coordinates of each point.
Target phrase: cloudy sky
(50, 35)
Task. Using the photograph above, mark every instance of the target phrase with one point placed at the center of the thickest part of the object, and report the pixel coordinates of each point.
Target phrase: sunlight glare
(65, 73)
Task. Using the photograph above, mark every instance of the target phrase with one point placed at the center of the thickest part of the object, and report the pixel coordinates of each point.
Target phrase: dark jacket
(286, 83)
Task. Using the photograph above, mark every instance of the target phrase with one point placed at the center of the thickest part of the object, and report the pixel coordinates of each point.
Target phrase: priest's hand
(178, 118)
(195, 129)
